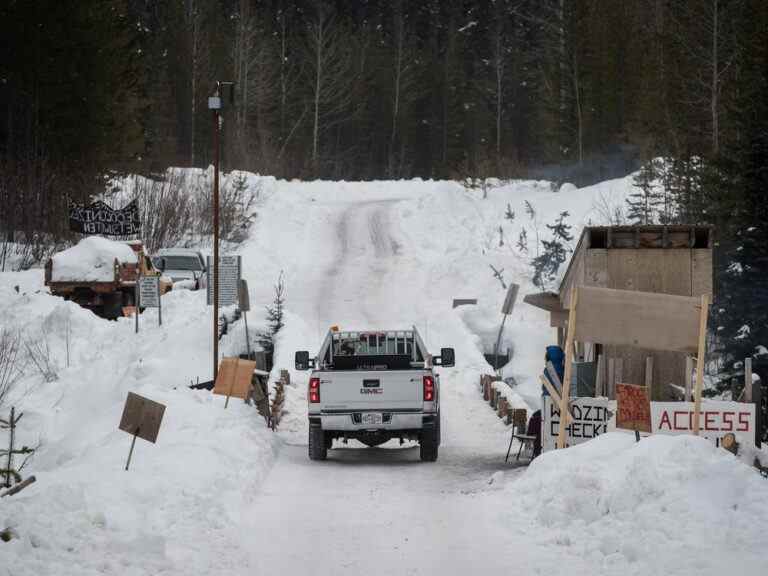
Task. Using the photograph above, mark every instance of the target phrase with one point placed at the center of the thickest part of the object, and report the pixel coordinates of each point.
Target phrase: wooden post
(12, 427)
(136, 302)
(130, 453)
(611, 377)
(619, 376)
(159, 304)
(700, 362)
(600, 376)
(568, 367)
(748, 380)
(649, 375)
(688, 378)
(231, 388)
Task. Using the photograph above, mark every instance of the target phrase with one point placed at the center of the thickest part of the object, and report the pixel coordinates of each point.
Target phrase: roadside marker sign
(141, 418)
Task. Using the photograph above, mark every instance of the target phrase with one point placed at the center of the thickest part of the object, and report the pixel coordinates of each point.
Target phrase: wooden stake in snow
(700, 362)
(19, 487)
(568, 367)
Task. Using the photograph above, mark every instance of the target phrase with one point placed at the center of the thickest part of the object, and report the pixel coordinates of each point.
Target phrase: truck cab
(374, 386)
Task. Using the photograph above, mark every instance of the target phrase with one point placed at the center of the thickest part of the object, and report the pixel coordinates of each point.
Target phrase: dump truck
(100, 274)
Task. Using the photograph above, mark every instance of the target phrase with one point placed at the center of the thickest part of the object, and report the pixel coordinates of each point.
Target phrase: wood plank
(676, 268)
(558, 319)
(572, 318)
(649, 373)
(234, 377)
(142, 417)
(700, 362)
(701, 275)
(551, 389)
(621, 269)
(596, 267)
(611, 379)
(649, 270)
(637, 319)
(600, 376)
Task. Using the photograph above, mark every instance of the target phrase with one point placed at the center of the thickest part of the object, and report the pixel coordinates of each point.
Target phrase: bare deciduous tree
(331, 73)
(11, 365)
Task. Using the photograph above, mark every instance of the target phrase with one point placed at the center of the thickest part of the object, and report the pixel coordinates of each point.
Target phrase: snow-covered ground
(219, 493)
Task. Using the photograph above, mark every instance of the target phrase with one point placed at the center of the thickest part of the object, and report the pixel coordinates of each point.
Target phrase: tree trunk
(318, 83)
(396, 102)
(715, 87)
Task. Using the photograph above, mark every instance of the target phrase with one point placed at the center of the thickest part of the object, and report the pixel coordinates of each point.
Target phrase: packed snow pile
(668, 504)
(91, 260)
(181, 497)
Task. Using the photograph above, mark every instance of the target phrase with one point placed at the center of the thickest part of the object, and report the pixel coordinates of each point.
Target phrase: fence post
(748, 380)
(757, 398)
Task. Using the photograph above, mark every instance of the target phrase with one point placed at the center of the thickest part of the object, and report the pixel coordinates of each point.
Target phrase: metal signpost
(244, 302)
(506, 310)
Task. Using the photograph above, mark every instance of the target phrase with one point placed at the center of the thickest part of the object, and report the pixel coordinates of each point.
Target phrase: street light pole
(215, 263)
(215, 105)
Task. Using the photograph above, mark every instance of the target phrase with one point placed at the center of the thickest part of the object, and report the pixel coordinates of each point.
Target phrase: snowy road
(379, 511)
(365, 249)
(382, 511)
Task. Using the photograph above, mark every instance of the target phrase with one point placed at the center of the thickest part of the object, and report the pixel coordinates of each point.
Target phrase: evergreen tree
(740, 312)
(275, 321)
(555, 251)
(648, 203)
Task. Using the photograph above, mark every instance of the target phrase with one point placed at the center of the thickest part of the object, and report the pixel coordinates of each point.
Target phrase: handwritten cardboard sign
(590, 418)
(718, 418)
(633, 410)
(142, 417)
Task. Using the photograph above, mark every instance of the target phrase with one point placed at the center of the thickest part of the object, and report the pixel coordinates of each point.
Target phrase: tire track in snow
(353, 285)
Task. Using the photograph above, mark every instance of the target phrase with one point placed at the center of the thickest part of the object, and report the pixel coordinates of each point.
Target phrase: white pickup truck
(374, 386)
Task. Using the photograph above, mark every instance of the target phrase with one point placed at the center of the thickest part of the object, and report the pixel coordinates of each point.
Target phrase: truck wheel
(113, 306)
(318, 449)
(429, 442)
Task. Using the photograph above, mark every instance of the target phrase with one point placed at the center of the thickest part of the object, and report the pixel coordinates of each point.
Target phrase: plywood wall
(681, 271)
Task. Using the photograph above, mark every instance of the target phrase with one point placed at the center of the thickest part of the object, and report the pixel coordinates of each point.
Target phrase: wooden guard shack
(665, 259)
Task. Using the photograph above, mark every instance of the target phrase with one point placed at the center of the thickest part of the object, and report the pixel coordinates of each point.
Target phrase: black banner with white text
(99, 218)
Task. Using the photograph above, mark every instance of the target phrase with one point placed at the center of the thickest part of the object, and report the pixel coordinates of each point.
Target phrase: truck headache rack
(373, 350)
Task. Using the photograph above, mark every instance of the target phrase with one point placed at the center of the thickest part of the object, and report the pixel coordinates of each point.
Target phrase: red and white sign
(715, 420)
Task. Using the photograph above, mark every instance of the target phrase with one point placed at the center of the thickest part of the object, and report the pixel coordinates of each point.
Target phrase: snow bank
(183, 496)
(669, 504)
(91, 260)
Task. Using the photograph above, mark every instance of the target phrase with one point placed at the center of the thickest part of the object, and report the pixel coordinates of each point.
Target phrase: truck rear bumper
(351, 421)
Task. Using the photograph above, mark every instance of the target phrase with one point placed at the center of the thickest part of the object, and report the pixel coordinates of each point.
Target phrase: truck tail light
(314, 390)
(429, 389)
